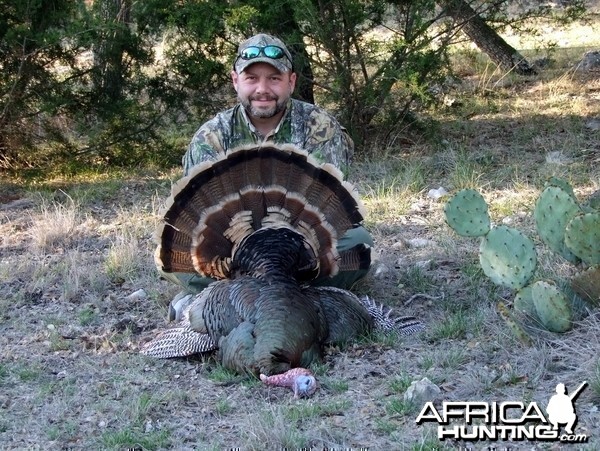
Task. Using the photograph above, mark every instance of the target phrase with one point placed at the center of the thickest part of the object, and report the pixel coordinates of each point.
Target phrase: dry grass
(70, 373)
(55, 226)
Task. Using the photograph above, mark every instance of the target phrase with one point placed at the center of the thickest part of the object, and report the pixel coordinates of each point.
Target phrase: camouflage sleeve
(206, 144)
(328, 141)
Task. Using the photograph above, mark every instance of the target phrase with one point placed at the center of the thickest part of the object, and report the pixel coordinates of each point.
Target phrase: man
(264, 80)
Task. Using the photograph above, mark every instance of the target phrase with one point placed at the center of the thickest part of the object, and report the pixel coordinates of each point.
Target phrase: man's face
(263, 90)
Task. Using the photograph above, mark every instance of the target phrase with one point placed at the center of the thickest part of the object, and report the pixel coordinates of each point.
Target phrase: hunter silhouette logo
(510, 420)
(561, 408)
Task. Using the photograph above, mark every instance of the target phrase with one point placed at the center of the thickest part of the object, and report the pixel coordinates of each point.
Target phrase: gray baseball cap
(263, 48)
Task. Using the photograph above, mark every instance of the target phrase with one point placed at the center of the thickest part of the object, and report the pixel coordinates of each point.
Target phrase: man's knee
(192, 283)
(354, 237)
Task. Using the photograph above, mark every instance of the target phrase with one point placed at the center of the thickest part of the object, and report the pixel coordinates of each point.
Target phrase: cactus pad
(593, 202)
(467, 213)
(582, 237)
(561, 183)
(552, 306)
(587, 285)
(524, 301)
(507, 257)
(553, 210)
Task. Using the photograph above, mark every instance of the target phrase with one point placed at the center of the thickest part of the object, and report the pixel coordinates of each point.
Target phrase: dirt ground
(72, 377)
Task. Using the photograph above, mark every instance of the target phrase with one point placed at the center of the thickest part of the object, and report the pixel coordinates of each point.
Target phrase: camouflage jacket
(304, 125)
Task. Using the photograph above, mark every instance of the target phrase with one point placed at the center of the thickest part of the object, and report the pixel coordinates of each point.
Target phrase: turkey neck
(273, 253)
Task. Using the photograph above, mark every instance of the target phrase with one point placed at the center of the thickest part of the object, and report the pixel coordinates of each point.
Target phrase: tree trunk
(304, 83)
(486, 39)
(109, 51)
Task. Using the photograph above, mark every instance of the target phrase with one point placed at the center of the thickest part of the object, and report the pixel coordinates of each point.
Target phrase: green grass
(29, 373)
(222, 375)
(88, 315)
(337, 385)
(400, 407)
(417, 280)
(399, 383)
(223, 407)
(385, 426)
(453, 326)
(134, 438)
(305, 411)
(463, 172)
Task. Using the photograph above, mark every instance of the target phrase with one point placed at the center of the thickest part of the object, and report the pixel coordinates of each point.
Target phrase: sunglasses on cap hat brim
(271, 52)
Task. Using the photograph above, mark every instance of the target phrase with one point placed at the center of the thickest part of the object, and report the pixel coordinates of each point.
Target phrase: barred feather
(383, 319)
(178, 342)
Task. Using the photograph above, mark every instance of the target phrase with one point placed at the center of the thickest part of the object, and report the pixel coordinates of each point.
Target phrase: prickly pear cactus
(582, 237)
(552, 306)
(507, 257)
(561, 183)
(467, 213)
(593, 202)
(587, 285)
(523, 301)
(554, 209)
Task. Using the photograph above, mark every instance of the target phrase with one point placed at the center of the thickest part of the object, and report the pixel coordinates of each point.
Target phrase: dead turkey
(264, 222)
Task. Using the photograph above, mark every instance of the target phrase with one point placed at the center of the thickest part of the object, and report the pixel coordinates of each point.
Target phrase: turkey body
(261, 321)
(263, 222)
(272, 330)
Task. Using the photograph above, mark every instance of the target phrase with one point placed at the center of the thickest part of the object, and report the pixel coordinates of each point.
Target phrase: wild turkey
(264, 221)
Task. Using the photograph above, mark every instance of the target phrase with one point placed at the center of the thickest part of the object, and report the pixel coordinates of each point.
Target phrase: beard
(261, 112)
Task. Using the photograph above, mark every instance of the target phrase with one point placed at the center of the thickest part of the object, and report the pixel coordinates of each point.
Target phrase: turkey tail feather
(355, 258)
(220, 203)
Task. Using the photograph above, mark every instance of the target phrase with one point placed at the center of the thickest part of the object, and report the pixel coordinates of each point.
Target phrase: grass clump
(400, 407)
(417, 280)
(134, 438)
(123, 260)
(400, 383)
(453, 326)
(55, 226)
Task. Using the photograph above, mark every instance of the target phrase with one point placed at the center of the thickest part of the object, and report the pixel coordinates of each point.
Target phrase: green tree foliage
(121, 82)
(37, 71)
(380, 53)
(196, 53)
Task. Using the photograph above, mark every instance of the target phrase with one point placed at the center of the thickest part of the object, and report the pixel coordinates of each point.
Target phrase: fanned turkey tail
(214, 209)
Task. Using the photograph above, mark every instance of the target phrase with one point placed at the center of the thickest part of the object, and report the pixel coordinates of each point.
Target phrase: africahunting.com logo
(511, 420)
